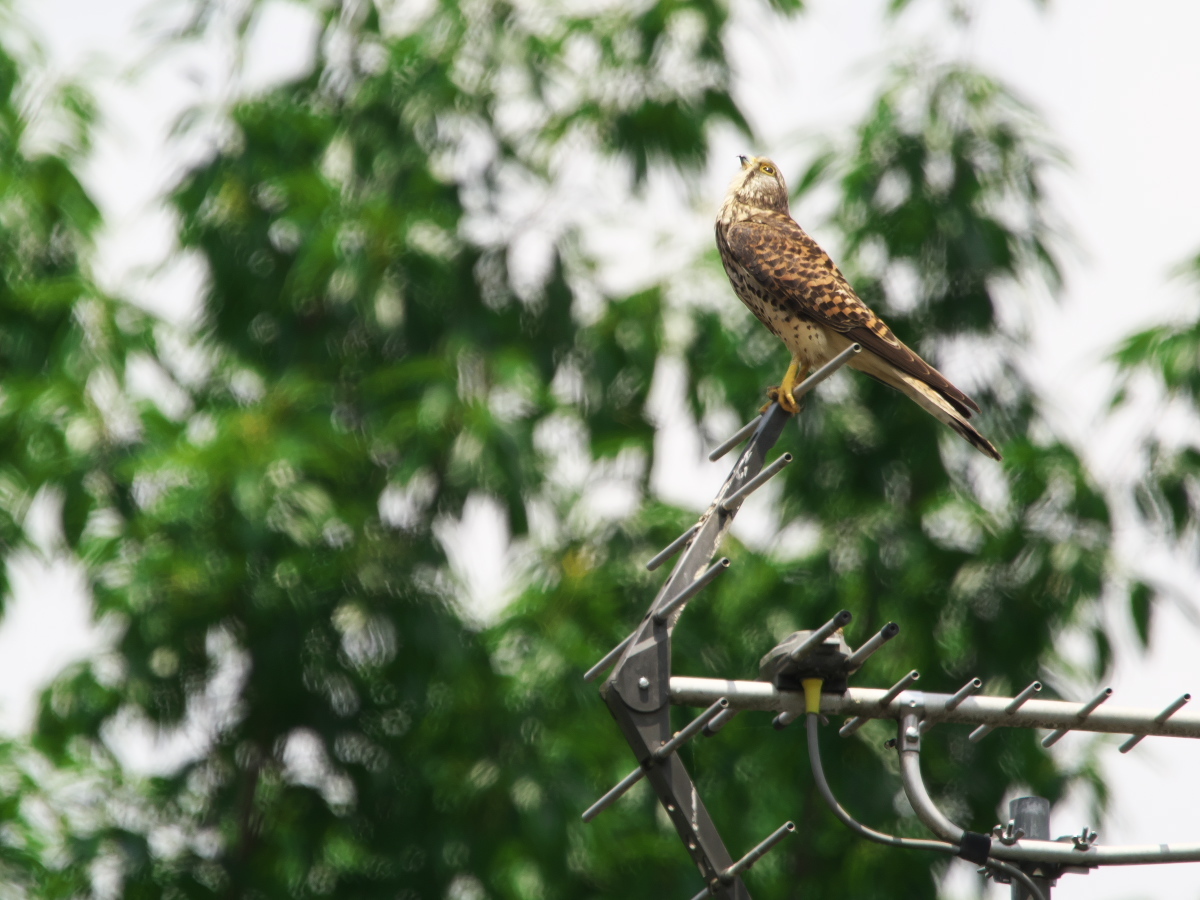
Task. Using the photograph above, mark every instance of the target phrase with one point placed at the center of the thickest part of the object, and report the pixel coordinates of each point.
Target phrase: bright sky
(1118, 90)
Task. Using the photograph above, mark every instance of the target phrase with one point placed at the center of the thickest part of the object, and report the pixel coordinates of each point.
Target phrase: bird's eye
(767, 170)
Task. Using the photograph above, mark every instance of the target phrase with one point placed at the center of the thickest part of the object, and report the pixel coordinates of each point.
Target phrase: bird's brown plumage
(795, 289)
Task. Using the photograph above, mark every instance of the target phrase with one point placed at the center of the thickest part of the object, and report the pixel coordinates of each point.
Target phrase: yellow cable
(812, 694)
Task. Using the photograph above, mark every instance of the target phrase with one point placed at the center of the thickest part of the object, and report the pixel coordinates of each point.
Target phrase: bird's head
(759, 184)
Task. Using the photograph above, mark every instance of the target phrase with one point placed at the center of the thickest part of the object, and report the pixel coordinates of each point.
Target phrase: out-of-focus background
(354, 355)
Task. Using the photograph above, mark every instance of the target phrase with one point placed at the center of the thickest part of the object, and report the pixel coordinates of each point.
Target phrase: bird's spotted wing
(799, 274)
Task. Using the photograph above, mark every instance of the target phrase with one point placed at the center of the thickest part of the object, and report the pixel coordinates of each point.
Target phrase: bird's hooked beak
(744, 160)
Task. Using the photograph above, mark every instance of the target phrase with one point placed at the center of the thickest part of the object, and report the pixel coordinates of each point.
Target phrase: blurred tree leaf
(63, 347)
(1141, 603)
(1168, 497)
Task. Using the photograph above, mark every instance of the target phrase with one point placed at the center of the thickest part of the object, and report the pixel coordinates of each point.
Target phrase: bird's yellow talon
(776, 395)
(783, 394)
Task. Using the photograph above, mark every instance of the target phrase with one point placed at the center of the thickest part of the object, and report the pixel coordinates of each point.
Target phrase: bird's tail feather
(943, 410)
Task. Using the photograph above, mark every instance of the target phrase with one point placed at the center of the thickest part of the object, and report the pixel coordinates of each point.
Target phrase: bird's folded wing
(790, 264)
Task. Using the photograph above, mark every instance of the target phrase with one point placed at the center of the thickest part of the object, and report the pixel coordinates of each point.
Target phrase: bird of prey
(794, 288)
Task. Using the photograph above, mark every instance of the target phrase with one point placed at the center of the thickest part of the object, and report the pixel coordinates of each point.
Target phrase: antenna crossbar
(872, 703)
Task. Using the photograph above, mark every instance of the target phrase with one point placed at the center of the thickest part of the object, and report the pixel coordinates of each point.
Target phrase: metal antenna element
(1053, 737)
(959, 696)
(609, 658)
(825, 371)
(885, 634)
(734, 500)
(729, 443)
(851, 726)
(888, 696)
(719, 722)
(1160, 718)
(818, 637)
(672, 548)
(748, 860)
(758, 852)
(971, 687)
(663, 613)
(1017, 702)
(681, 737)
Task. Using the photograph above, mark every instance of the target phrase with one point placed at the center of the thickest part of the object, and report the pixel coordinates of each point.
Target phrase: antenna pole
(1032, 816)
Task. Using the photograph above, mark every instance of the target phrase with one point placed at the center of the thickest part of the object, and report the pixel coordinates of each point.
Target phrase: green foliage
(1140, 604)
(947, 177)
(1168, 495)
(55, 333)
(1170, 352)
(62, 352)
(274, 557)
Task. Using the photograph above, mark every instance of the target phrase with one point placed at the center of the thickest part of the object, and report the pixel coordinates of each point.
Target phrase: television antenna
(807, 675)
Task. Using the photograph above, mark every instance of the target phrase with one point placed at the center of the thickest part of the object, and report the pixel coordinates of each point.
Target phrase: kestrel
(794, 288)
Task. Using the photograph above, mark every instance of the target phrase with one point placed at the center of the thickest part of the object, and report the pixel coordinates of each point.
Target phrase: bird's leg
(792, 377)
(783, 394)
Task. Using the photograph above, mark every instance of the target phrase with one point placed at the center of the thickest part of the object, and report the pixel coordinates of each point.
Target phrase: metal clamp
(1008, 833)
(1083, 840)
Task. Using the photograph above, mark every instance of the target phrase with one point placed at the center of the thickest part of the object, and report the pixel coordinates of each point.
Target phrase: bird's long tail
(941, 409)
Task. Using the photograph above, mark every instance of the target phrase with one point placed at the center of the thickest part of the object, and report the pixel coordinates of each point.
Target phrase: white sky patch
(476, 546)
(147, 749)
(47, 626)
